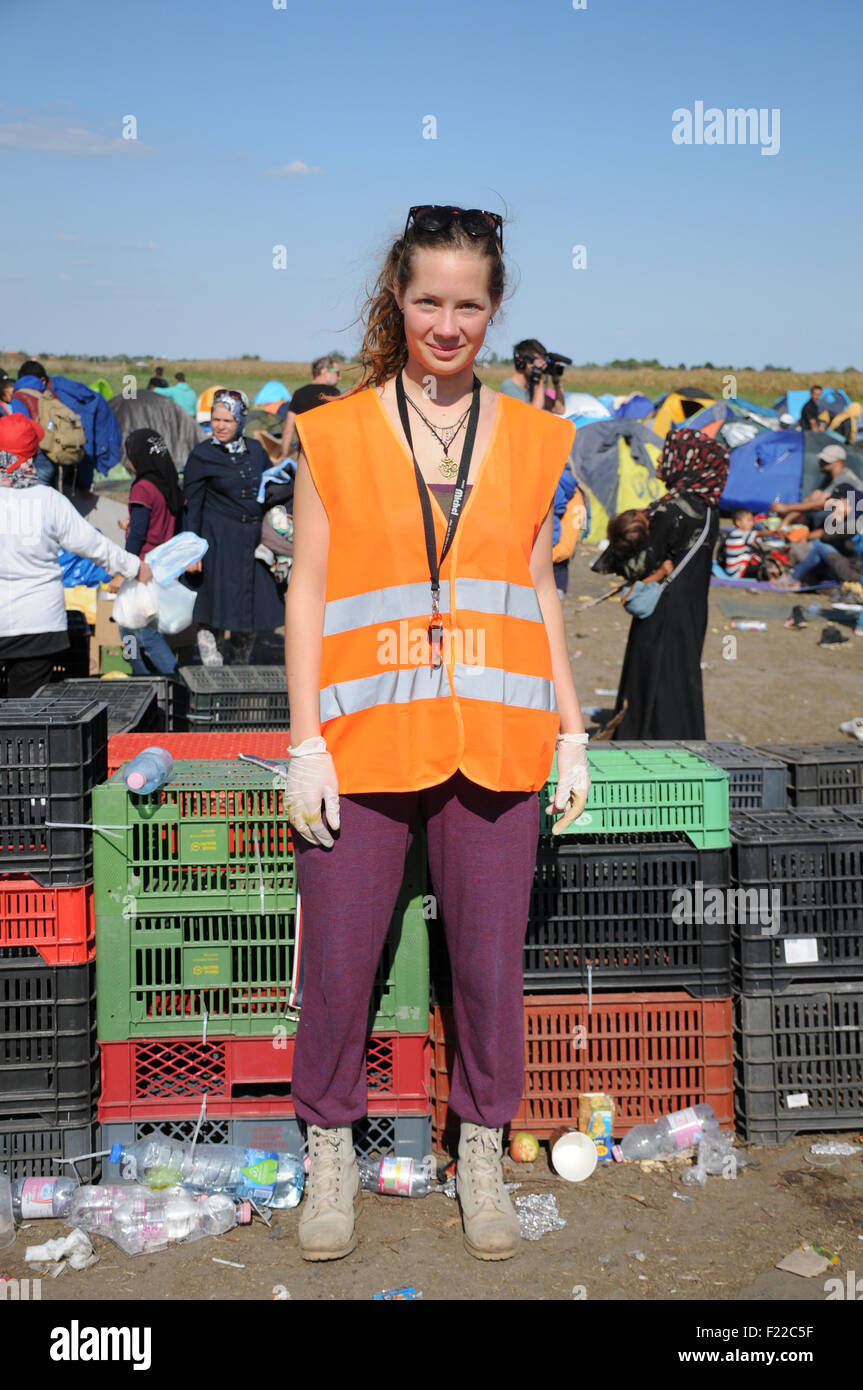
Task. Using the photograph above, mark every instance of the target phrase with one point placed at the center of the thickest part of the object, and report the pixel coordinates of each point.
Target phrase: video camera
(556, 364)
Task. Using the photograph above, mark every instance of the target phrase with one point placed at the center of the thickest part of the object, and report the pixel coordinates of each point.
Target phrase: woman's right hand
(145, 574)
(311, 780)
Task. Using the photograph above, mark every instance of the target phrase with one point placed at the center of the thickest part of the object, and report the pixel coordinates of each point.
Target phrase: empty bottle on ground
(141, 1221)
(672, 1132)
(397, 1177)
(35, 1197)
(271, 1179)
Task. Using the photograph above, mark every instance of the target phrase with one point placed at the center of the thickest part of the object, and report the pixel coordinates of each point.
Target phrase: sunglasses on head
(431, 218)
(234, 395)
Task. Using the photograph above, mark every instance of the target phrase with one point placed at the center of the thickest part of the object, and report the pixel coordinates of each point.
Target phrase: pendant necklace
(444, 436)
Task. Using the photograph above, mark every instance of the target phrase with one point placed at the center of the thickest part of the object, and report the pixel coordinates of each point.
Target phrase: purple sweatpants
(482, 854)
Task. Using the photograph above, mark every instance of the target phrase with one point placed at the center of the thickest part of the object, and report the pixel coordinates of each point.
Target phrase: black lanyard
(435, 624)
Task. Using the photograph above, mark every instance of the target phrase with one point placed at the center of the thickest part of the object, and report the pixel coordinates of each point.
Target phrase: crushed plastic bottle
(670, 1133)
(37, 1197)
(270, 1179)
(149, 770)
(716, 1155)
(141, 1221)
(399, 1177)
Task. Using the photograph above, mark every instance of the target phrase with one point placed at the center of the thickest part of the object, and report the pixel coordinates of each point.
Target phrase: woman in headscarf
(36, 523)
(155, 506)
(660, 684)
(221, 481)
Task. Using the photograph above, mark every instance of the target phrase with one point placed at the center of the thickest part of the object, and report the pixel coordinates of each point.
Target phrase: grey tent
(615, 464)
(150, 411)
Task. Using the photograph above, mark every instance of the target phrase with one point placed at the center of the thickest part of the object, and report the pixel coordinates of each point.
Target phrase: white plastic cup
(574, 1156)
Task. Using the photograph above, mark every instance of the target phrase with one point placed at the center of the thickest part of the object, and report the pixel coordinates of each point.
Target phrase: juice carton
(596, 1118)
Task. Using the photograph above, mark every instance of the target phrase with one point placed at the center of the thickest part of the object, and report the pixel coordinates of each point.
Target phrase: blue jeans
(147, 642)
(818, 554)
(44, 469)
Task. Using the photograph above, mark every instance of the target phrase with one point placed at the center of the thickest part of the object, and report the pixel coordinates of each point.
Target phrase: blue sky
(560, 117)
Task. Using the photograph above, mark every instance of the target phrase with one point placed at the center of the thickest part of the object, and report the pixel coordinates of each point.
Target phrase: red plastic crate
(266, 743)
(59, 923)
(653, 1053)
(146, 1079)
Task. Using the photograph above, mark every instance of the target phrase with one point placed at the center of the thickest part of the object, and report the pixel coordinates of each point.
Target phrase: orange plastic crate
(266, 743)
(652, 1052)
(59, 923)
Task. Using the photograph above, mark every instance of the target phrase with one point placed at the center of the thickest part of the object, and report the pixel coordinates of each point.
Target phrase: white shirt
(36, 523)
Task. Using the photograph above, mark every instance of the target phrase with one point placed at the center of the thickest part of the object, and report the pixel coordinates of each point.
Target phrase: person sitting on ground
(742, 557)
(835, 555)
(325, 374)
(811, 509)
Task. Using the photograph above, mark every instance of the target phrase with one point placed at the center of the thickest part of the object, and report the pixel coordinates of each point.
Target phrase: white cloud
(289, 171)
(148, 245)
(58, 135)
(66, 236)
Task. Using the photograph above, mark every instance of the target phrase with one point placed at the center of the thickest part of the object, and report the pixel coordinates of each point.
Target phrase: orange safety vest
(393, 722)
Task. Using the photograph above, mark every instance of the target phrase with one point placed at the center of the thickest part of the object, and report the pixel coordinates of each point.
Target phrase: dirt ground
(627, 1237)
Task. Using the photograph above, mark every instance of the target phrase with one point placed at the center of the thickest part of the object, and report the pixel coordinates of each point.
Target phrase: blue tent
(636, 408)
(272, 391)
(765, 470)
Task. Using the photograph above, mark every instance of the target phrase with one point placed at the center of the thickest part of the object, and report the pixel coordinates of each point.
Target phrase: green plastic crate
(657, 791)
(215, 838)
(112, 659)
(158, 973)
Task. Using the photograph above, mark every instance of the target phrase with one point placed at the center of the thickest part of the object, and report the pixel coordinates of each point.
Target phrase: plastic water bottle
(672, 1132)
(35, 1197)
(748, 625)
(268, 1178)
(141, 1221)
(149, 770)
(397, 1177)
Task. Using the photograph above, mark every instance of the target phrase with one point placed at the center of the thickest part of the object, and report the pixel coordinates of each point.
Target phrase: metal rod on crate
(199, 1123)
(84, 825)
(280, 768)
(589, 989)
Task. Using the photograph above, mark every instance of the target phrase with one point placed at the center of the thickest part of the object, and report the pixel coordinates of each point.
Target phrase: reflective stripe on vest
(388, 688)
(505, 687)
(414, 600)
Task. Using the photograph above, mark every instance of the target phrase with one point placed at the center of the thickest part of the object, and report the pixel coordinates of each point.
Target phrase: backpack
(65, 441)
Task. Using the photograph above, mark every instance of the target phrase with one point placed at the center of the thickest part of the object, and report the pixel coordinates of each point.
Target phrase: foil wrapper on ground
(538, 1215)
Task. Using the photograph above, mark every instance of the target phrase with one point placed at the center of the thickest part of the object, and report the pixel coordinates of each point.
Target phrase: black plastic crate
(821, 774)
(756, 781)
(48, 1051)
(622, 910)
(172, 698)
(31, 1145)
(799, 1062)
(132, 703)
(53, 751)
(236, 697)
(802, 917)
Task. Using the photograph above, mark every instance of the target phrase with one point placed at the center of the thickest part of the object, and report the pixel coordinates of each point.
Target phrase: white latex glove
(312, 779)
(573, 780)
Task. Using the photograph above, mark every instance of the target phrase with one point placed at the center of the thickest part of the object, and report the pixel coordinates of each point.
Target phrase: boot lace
(325, 1169)
(485, 1170)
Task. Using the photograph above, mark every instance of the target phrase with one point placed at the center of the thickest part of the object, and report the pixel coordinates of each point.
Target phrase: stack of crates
(53, 752)
(236, 697)
(132, 702)
(198, 958)
(626, 992)
(798, 966)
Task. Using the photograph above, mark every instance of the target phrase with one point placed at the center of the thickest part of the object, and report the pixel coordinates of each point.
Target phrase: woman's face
(223, 423)
(446, 308)
(6, 389)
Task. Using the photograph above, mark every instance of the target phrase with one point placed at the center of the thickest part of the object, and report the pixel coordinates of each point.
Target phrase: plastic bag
(76, 570)
(172, 557)
(717, 1155)
(135, 604)
(175, 605)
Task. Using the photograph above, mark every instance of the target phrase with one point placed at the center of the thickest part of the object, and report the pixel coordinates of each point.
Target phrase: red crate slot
(652, 1052)
(265, 743)
(149, 1078)
(57, 922)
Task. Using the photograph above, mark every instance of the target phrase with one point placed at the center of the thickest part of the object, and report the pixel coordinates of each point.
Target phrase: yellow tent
(205, 402)
(614, 462)
(674, 410)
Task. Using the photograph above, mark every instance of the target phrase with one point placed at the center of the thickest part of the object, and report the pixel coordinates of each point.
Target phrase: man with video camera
(532, 364)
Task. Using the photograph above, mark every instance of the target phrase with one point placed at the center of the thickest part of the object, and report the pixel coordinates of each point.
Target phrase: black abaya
(661, 676)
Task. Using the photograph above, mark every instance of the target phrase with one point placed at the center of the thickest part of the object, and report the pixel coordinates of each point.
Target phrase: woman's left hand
(573, 780)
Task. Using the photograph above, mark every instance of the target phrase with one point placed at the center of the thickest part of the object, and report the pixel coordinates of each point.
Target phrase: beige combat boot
(332, 1195)
(491, 1230)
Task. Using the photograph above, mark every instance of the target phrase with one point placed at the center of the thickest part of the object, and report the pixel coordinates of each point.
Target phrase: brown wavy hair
(384, 351)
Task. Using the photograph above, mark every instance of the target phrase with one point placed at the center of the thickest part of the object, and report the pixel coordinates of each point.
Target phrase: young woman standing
(429, 682)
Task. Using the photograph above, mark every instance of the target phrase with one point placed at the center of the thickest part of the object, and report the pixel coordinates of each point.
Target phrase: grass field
(761, 387)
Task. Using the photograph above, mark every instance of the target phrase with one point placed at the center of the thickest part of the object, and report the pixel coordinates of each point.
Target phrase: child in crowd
(743, 559)
(629, 552)
(276, 548)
